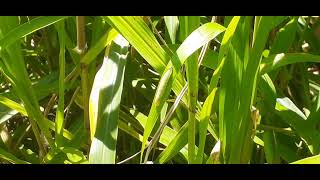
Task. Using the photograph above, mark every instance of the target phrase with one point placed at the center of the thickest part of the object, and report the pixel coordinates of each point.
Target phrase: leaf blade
(104, 112)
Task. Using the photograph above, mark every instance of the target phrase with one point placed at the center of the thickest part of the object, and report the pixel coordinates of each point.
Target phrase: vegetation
(159, 89)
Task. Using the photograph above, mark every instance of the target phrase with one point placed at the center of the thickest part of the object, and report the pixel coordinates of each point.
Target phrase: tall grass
(159, 89)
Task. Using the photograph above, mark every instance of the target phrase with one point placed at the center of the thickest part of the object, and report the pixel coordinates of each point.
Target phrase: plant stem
(51, 103)
(168, 116)
(74, 73)
(81, 46)
(66, 110)
(81, 36)
(85, 94)
(286, 131)
(42, 149)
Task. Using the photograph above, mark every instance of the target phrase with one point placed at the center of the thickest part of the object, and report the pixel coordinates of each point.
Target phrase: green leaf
(291, 114)
(287, 104)
(134, 29)
(60, 111)
(285, 37)
(203, 124)
(105, 101)
(248, 86)
(13, 105)
(198, 38)
(175, 145)
(13, 66)
(167, 135)
(210, 60)
(309, 160)
(172, 24)
(104, 41)
(189, 24)
(159, 99)
(266, 106)
(224, 51)
(10, 157)
(28, 28)
(194, 41)
(19, 108)
(226, 41)
(275, 61)
(270, 147)
(74, 156)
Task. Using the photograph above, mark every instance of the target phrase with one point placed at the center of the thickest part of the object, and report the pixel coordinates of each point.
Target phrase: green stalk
(86, 95)
(81, 47)
(60, 113)
(81, 36)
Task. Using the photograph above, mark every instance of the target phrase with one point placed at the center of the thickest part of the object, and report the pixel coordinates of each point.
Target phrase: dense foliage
(159, 89)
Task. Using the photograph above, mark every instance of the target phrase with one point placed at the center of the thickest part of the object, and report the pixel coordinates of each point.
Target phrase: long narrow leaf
(189, 24)
(28, 28)
(105, 101)
(60, 111)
